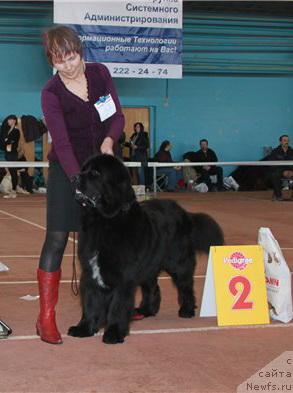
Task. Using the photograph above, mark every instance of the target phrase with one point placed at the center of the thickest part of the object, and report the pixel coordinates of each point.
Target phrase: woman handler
(83, 116)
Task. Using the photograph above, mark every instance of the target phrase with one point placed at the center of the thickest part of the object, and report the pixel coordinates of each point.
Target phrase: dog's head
(104, 184)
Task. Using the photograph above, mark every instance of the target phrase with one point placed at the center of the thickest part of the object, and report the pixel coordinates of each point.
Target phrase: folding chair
(161, 180)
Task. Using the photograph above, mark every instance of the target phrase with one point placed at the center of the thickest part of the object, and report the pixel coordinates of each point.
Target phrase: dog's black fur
(124, 244)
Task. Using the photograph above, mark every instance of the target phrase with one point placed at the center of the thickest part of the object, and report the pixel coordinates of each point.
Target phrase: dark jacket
(11, 138)
(200, 156)
(208, 156)
(163, 156)
(141, 140)
(3, 133)
(32, 128)
(278, 154)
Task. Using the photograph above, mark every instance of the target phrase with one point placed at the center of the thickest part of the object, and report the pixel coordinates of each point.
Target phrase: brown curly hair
(60, 41)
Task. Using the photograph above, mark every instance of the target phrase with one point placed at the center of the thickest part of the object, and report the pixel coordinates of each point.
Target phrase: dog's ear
(117, 197)
(121, 191)
(127, 191)
(113, 186)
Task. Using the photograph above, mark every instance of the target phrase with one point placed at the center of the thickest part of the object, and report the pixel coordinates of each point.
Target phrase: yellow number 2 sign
(239, 285)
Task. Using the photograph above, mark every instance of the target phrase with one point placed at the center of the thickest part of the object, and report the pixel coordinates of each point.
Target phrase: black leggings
(12, 156)
(52, 251)
(14, 177)
(276, 181)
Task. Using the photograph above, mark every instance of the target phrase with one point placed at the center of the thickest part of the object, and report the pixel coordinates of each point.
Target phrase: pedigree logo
(238, 260)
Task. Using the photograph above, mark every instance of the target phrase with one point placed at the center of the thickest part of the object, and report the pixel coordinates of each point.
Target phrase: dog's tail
(206, 232)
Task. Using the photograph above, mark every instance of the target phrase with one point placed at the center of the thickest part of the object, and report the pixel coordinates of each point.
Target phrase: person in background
(139, 144)
(281, 153)
(81, 123)
(205, 154)
(120, 145)
(173, 173)
(26, 181)
(10, 139)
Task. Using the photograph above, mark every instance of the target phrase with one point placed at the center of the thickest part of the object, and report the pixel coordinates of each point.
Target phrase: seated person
(281, 153)
(205, 154)
(173, 173)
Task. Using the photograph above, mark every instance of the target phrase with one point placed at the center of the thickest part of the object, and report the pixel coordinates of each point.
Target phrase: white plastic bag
(278, 277)
(230, 183)
(201, 187)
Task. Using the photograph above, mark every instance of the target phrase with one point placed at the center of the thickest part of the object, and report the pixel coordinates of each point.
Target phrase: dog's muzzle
(80, 197)
(85, 200)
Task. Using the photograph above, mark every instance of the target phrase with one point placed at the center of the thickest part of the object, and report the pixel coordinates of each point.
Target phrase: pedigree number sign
(240, 287)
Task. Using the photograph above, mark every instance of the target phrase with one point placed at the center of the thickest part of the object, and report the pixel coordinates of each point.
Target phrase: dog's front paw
(186, 313)
(113, 335)
(143, 312)
(80, 331)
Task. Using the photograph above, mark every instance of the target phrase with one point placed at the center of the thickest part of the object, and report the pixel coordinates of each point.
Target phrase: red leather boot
(48, 290)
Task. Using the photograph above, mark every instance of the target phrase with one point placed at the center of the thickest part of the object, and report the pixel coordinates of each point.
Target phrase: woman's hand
(107, 146)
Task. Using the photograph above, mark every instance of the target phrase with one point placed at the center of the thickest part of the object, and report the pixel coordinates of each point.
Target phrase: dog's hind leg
(183, 280)
(119, 313)
(151, 298)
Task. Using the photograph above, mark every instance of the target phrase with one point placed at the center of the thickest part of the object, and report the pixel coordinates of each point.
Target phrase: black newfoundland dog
(124, 244)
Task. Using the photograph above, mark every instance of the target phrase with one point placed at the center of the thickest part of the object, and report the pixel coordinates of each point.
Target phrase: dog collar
(126, 206)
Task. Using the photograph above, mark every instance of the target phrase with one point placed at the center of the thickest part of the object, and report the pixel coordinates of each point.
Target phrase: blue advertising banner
(142, 44)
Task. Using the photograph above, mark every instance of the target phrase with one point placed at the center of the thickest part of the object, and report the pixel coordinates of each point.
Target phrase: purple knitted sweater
(75, 126)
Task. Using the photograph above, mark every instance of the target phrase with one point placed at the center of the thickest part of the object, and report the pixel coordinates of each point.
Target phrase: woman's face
(137, 128)
(69, 66)
(11, 122)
